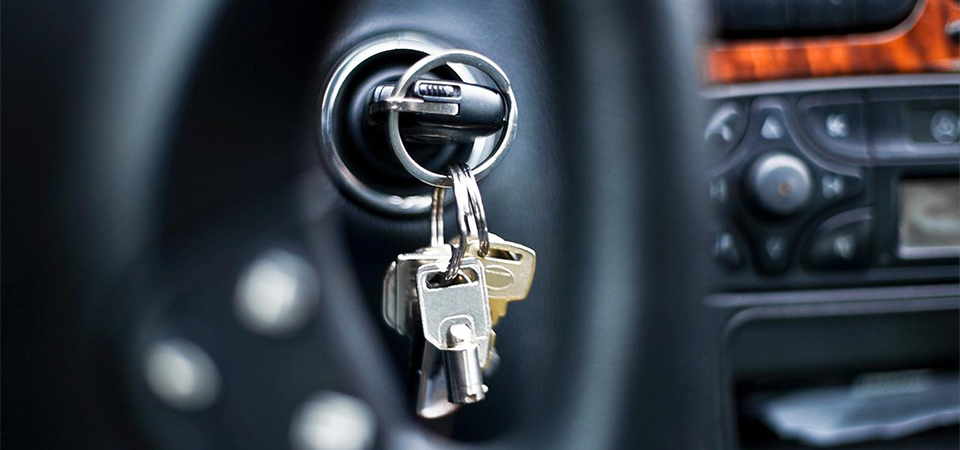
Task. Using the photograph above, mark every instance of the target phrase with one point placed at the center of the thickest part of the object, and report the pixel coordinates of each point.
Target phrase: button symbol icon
(725, 250)
(844, 247)
(722, 123)
(726, 133)
(837, 125)
(832, 186)
(724, 244)
(944, 126)
(718, 190)
(771, 129)
(775, 247)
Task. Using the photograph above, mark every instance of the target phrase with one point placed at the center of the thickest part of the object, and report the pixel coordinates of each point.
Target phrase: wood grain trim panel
(919, 44)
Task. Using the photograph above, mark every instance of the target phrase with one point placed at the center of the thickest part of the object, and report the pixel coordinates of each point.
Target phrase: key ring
(421, 68)
(461, 196)
(476, 206)
(470, 217)
(436, 217)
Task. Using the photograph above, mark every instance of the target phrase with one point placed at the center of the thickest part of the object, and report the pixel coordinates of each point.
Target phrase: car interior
(500, 224)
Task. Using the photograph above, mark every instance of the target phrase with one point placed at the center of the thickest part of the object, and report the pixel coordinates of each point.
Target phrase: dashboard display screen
(929, 218)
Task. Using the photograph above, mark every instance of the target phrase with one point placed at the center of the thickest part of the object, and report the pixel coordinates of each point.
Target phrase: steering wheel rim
(626, 263)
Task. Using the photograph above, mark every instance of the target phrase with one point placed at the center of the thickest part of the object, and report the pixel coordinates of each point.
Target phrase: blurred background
(747, 216)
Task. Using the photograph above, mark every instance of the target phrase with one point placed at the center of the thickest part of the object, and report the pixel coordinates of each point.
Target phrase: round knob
(780, 183)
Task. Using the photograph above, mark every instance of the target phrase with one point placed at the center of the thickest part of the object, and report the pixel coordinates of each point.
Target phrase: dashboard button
(834, 186)
(769, 124)
(773, 253)
(835, 124)
(944, 126)
(772, 129)
(780, 183)
(725, 128)
(775, 247)
(719, 190)
(842, 242)
(727, 249)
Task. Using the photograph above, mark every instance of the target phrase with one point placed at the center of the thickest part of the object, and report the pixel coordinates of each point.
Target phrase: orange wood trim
(919, 44)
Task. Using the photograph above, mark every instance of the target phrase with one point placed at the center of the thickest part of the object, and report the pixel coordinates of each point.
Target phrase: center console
(836, 183)
(836, 235)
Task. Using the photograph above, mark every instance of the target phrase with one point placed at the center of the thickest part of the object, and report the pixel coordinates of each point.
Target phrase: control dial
(780, 183)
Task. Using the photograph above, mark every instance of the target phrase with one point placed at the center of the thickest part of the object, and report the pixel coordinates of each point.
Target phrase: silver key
(400, 281)
(432, 397)
(465, 301)
(456, 320)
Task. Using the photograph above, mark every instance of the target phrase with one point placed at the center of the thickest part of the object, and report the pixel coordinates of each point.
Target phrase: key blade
(492, 357)
(432, 402)
(405, 288)
(498, 309)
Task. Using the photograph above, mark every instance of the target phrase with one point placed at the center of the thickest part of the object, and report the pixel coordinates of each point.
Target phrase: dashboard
(847, 182)
(745, 216)
(833, 156)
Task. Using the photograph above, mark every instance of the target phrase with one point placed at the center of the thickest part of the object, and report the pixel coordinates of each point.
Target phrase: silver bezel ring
(427, 64)
(329, 149)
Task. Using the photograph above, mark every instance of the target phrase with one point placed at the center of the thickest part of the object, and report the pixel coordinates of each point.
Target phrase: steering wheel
(172, 143)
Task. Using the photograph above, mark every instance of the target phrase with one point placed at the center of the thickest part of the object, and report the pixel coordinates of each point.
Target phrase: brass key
(509, 268)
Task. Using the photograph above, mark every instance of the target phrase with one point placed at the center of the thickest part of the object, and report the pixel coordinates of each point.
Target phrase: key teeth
(475, 398)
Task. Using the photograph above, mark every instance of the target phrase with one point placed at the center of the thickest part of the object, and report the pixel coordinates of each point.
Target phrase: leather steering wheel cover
(635, 226)
(630, 362)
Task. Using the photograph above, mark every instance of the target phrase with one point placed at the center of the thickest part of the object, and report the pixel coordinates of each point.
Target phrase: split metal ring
(421, 68)
(470, 218)
(476, 208)
(461, 196)
(436, 217)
